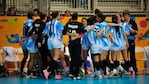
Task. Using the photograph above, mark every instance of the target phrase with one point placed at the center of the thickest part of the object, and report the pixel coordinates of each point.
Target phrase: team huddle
(95, 37)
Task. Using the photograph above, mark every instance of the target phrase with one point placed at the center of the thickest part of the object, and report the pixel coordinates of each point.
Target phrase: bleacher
(83, 7)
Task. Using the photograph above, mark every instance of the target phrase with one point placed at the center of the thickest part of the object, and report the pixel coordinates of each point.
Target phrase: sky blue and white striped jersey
(92, 36)
(95, 41)
(106, 43)
(28, 23)
(85, 41)
(127, 27)
(117, 36)
(100, 26)
(54, 29)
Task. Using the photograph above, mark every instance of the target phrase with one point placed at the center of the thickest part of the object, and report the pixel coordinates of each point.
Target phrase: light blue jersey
(31, 45)
(106, 43)
(125, 28)
(117, 37)
(27, 25)
(85, 41)
(123, 31)
(54, 30)
(95, 43)
(31, 42)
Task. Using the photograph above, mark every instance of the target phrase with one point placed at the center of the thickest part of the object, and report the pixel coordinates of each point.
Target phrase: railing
(2, 7)
(80, 6)
(119, 5)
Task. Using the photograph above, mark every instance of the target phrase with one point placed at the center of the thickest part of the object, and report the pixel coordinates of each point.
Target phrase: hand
(121, 26)
(39, 44)
(127, 33)
(34, 35)
(108, 26)
(73, 38)
(134, 31)
(107, 36)
(23, 39)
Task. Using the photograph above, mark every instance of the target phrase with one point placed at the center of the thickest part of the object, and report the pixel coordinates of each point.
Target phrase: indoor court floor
(139, 79)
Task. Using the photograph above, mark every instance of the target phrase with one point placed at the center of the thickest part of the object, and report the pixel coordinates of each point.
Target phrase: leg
(103, 57)
(25, 54)
(31, 62)
(124, 54)
(85, 54)
(76, 58)
(43, 52)
(132, 57)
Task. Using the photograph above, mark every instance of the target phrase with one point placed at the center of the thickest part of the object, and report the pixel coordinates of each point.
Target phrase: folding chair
(146, 60)
(11, 61)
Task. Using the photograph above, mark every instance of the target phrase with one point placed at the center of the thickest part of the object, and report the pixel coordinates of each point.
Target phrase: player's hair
(29, 15)
(54, 14)
(75, 16)
(126, 12)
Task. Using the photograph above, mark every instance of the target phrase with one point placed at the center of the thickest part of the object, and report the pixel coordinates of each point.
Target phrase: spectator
(67, 13)
(36, 14)
(11, 11)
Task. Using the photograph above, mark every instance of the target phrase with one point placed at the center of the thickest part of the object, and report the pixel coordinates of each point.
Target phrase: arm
(111, 36)
(133, 32)
(125, 37)
(23, 38)
(113, 24)
(90, 28)
(99, 33)
(82, 30)
(71, 34)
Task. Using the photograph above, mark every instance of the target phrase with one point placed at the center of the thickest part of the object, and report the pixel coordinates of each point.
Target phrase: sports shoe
(121, 73)
(32, 76)
(92, 74)
(132, 73)
(112, 73)
(46, 74)
(22, 75)
(78, 78)
(98, 74)
(100, 77)
(74, 78)
(58, 77)
(81, 73)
